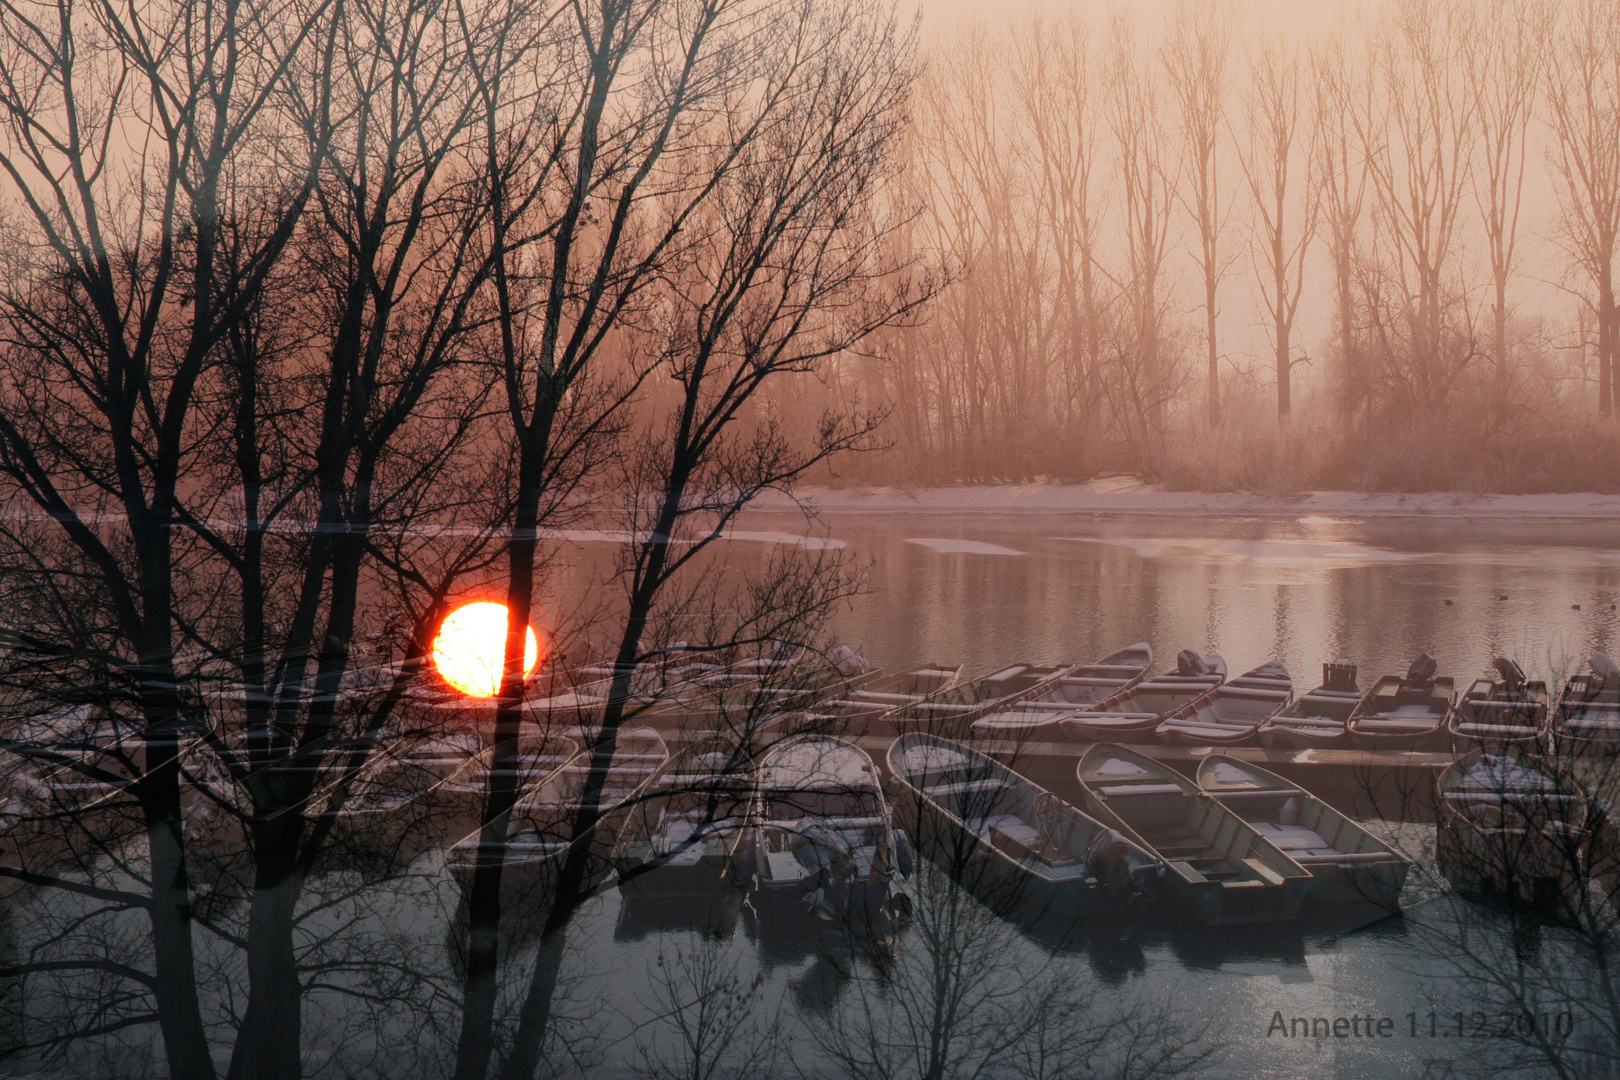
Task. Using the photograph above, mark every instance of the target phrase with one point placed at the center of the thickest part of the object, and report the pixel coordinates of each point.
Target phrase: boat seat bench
(1113, 717)
(1186, 871)
(1329, 857)
(1263, 872)
(1508, 796)
(965, 787)
(1116, 790)
(1022, 840)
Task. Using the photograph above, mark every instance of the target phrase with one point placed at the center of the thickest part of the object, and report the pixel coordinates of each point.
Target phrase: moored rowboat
(822, 841)
(1037, 716)
(543, 824)
(1219, 867)
(1131, 715)
(683, 836)
(1232, 712)
(1507, 824)
(1589, 711)
(1507, 711)
(1012, 843)
(1405, 712)
(1317, 719)
(1348, 864)
(953, 710)
(857, 707)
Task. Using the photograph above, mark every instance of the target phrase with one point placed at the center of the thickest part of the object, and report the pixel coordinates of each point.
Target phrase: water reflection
(1251, 590)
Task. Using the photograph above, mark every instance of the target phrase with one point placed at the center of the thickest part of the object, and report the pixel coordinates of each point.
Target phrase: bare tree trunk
(1196, 59)
(1608, 321)
(1583, 95)
(1273, 116)
(1504, 46)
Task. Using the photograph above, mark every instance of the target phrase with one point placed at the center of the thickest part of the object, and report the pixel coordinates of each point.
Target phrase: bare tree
(1195, 58)
(112, 317)
(1342, 178)
(1418, 147)
(1583, 98)
(1142, 377)
(713, 1014)
(1504, 48)
(1273, 117)
(781, 266)
(276, 381)
(1062, 112)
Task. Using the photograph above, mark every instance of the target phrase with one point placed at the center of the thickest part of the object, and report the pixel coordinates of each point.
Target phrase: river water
(984, 591)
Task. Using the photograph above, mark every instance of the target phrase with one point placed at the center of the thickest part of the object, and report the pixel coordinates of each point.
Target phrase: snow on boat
(1011, 842)
(1232, 712)
(822, 842)
(1218, 866)
(1348, 864)
(1509, 825)
(682, 838)
(1588, 719)
(1037, 716)
(793, 700)
(1131, 715)
(1317, 719)
(454, 766)
(662, 677)
(541, 825)
(1507, 711)
(954, 709)
(741, 668)
(890, 692)
(1405, 712)
(849, 705)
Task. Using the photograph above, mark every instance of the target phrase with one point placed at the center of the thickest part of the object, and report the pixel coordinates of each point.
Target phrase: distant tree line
(1203, 246)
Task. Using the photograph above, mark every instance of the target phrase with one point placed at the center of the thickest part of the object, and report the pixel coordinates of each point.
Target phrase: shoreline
(1133, 498)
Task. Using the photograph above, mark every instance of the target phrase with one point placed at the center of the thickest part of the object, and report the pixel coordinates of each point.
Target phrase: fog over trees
(1189, 247)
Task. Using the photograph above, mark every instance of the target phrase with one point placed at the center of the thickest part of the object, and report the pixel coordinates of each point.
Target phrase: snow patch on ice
(1122, 495)
(960, 547)
(1278, 552)
(617, 536)
(809, 543)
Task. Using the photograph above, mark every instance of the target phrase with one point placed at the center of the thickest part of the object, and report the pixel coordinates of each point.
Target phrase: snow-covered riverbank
(1135, 498)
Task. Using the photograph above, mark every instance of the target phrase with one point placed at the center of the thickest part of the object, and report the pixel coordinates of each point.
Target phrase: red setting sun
(470, 647)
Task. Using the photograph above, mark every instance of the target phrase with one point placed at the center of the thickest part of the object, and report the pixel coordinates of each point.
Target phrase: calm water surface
(991, 589)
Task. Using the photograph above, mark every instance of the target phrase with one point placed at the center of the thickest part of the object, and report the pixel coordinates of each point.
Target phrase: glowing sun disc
(470, 648)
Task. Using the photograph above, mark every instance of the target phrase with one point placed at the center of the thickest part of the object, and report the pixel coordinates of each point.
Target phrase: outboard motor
(1421, 673)
(1605, 669)
(849, 662)
(1339, 675)
(1512, 674)
(1189, 663)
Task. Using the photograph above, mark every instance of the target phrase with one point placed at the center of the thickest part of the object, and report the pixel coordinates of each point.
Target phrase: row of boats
(807, 824)
(1116, 699)
(812, 829)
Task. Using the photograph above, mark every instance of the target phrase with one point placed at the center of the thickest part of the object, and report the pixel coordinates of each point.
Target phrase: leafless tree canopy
(1171, 234)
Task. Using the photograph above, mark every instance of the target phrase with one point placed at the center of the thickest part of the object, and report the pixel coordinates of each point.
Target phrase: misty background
(1248, 246)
